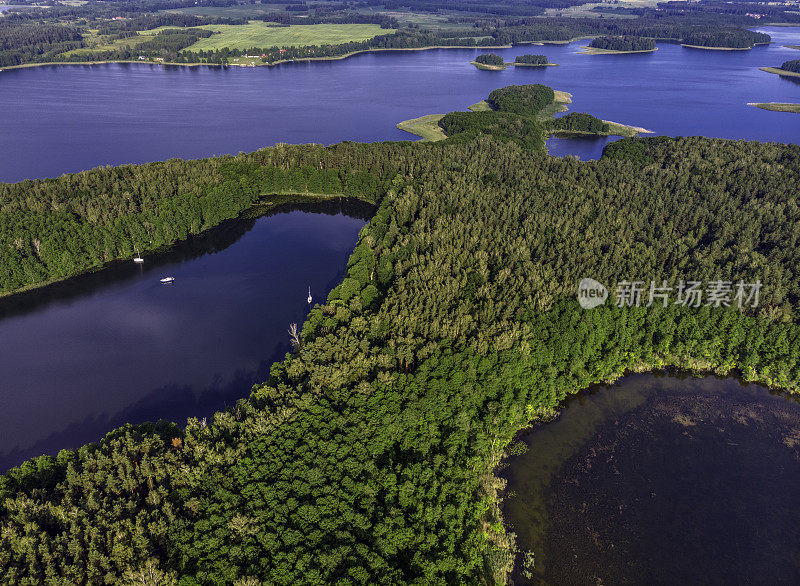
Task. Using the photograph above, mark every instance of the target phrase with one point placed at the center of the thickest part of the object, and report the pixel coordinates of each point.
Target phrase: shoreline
(485, 67)
(427, 126)
(721, 48)
(596, 51)
(268, 201)
(777, 106)
(670, 365)
(515, 64)
(274, 63)
(779, 71)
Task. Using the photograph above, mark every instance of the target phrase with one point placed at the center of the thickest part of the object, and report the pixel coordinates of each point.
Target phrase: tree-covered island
(624, 44)
(520, 113)
(489, 61)
(529, 60)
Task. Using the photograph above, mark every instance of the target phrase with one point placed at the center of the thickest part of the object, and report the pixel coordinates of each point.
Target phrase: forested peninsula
(368, 455)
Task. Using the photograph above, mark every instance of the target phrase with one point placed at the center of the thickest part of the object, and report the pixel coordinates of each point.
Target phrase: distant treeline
(623, 43)
(399, 40)
(735, 39)
(702, 31)
(64, 28)
(31, 42)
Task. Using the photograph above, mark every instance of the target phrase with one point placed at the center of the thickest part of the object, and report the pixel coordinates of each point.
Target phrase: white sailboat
(138, 257)
(309, 295)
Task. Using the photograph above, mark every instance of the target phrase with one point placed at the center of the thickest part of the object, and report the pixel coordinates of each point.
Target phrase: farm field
(260, 34)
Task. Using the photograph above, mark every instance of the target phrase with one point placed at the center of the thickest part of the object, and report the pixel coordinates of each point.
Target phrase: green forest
(489, 59)
(529, 59)
(522, 114)
(119, 30)
(368, 455)
(623, 43)
(793, 66)
(578, 122)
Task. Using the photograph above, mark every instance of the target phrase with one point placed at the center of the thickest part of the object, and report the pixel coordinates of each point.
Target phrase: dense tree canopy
(578, 122)
(529, 59)
(734, 39)
(521, 99)
(489, 59)
(793, 66)
(367, 457)
(623, 43)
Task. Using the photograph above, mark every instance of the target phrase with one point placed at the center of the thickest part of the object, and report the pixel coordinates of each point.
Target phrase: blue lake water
(69, 118)
(80, 358)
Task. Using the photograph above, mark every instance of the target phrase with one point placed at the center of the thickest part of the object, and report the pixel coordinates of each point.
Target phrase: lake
(82, 357)
(660, 479)
(58, 119)
(79, 358)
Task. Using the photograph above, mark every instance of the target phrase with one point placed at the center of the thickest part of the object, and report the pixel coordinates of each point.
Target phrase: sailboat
(309, 295)
(138, 257)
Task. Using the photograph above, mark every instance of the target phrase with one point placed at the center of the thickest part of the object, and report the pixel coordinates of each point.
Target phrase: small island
(619, 45)
(777, 107)
(725, 40)
(788, 69)
(529, 60)
(489, 62)
(524, 114)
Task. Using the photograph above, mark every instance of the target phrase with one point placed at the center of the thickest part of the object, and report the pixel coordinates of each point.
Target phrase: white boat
(309, 295)
(138, 257)
(167, 280)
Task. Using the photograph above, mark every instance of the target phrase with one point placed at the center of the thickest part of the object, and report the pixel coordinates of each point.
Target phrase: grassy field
(425, 126)
(777, 107)
(98, 44)
(260, 34)
(779, 71)
(560, 104)
(595, 51)
(482, 106)
(617, 129)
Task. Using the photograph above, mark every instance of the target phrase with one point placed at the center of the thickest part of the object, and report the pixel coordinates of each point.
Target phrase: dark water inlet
(660, 479)
(82, 357)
